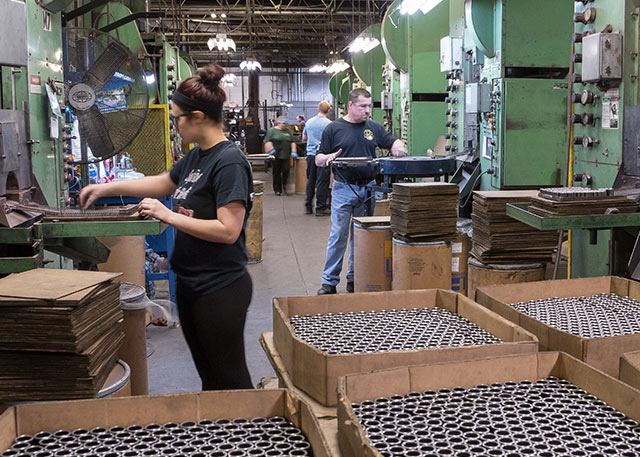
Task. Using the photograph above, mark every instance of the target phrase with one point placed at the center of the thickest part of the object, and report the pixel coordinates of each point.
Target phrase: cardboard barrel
(481, 274)
(301, 175)
(382, 207)
(372, 256)
(421, 265)
(253, 230)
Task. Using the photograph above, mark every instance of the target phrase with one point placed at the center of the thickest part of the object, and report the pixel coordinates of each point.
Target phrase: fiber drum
(534, 404)
(372, 254)
(481, 274)
(253, 230)
(300, 170)
(421, 265)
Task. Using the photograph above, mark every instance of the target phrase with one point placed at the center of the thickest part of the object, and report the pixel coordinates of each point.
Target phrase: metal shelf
(520, 212)
(69, 229)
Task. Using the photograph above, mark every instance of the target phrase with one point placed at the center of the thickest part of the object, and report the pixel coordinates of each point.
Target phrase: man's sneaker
(350, 287)
(327, 289)
(309, 211)
(323, 212)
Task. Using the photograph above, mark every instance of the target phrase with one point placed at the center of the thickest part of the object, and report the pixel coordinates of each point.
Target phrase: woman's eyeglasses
(174, 119)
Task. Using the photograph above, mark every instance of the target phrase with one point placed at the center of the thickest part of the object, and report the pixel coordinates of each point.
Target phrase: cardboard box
(32, 418)
(630, 369)
(467, 374)
(460, 248)
(421, 265)
(601, 353)
(316, 373)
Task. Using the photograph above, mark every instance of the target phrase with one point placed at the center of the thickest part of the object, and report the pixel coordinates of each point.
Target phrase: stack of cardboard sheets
(424, 211)
(500, 239)
(578, 207)
(60, 332)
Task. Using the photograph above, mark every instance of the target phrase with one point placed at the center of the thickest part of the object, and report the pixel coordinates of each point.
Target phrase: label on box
(455, 264)
(456, 248)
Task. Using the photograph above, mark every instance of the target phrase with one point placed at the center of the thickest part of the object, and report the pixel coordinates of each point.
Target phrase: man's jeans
(344, 205)
(317, 179)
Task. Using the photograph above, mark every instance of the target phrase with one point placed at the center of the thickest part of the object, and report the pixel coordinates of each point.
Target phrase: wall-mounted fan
(105, 90)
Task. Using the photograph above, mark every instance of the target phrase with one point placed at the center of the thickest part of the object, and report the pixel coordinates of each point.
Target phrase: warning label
(611, 109)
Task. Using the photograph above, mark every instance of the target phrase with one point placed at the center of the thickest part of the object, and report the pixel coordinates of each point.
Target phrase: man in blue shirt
(354, 135)
(317, 178)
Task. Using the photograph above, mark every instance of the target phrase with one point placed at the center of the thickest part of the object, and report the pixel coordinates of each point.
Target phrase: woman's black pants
(213, 325)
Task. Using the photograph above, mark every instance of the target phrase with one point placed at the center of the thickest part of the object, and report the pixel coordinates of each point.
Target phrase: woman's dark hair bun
(211, 75)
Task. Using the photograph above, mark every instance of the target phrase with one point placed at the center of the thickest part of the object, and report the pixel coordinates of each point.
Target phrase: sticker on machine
(611, 109)
(455, 264)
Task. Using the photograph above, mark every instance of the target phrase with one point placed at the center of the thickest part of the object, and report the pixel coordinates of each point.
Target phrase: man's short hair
(324, 106)
(355, 93)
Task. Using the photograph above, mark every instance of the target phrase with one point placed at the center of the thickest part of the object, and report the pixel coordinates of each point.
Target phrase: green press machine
(35, 136)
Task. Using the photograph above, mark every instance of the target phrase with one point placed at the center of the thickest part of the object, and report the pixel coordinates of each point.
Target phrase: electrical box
(602, 57)
(386, 100)
(476, 98)
(13, 23)
(450, 53)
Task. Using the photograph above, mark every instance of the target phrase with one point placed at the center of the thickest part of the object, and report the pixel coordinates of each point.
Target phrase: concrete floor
(293, 256)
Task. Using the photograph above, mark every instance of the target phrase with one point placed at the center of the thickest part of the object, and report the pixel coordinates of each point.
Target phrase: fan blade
(105, 66)
(93, 128)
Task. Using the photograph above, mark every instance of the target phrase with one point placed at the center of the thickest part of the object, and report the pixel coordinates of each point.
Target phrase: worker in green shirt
(279, 143)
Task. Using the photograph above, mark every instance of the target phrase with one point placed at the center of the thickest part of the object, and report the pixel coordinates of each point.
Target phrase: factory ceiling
(284, 34)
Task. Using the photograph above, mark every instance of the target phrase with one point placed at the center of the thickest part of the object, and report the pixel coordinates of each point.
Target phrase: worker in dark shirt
(279, 143)
(354, 135)
(211, 187)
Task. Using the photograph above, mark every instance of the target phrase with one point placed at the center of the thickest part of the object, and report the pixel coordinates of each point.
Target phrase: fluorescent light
(411, 6)
(211, 43)
(364, 42)
(338, 66)
(317, 68)
(149, 77)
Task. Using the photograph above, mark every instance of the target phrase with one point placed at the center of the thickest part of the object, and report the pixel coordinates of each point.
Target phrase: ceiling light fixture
(229, 80)
(221, 42)
(214, 15)
(250, 65)
(338, 66)
(411, 6)
(223, 16)
(318, 68)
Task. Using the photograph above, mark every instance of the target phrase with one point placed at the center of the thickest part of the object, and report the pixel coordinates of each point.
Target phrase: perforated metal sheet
(150, 150)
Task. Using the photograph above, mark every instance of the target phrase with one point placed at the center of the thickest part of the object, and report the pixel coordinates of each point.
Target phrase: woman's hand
(150, 207)
(90, 194)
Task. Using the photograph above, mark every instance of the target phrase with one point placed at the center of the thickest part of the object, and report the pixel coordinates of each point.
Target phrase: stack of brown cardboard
(579, 206)
(500, 239)
(60, 332)
(424, 212)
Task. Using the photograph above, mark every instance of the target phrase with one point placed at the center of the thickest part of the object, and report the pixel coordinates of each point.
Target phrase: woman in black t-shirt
(211, 187)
